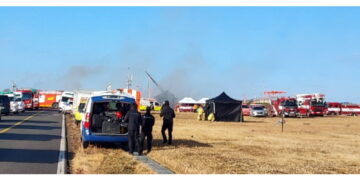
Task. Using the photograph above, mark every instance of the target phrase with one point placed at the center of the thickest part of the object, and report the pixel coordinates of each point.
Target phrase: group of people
(201, 114)
(140, 127)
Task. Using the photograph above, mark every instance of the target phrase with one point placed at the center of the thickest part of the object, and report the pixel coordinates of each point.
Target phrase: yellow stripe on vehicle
(18, 123)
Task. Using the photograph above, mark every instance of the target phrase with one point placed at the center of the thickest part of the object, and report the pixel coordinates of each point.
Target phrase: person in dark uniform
(168, 115)
(147, 124)
(133, 118)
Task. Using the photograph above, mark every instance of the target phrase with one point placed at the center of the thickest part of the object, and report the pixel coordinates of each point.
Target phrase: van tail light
(87, 121)
(118, 115)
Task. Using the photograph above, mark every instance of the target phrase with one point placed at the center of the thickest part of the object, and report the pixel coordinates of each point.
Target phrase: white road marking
(62, 150)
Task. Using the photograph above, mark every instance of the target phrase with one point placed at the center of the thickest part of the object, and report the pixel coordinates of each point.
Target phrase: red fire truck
(335, 108)
(312, 104)
(30, 98)
(286, 106)
(49, 99)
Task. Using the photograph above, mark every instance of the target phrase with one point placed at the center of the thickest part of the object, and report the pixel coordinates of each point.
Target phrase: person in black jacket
(147, 124)
(133, 118)
(168, 115)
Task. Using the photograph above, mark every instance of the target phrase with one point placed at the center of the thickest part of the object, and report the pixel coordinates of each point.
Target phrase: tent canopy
(224, 98)
(187, 100)
(225, 108)
(202, 100)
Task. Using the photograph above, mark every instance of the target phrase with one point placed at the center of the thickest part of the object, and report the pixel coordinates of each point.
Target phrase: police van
(104, 118)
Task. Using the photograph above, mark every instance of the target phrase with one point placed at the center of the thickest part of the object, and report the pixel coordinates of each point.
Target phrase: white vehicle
(258, 111)
(14, 106)
(66, 101)
(80, 99)
(21, 104)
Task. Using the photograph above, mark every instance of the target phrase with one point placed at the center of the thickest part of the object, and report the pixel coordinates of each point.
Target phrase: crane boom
(153, 80)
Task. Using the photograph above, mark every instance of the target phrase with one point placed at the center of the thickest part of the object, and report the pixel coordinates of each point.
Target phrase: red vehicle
(49, 99)
(30, 98)
(335, 108)
(312, 104)
(285, 106)
(246, 110)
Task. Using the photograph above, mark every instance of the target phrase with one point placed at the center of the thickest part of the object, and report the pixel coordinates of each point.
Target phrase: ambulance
(80, 99)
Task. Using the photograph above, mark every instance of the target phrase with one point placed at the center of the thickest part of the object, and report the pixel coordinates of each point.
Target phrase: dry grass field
(321, 145)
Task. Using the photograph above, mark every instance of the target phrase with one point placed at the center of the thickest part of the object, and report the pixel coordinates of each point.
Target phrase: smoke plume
(75, 75)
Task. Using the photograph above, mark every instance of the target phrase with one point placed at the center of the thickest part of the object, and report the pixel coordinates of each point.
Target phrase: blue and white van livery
(104, 118)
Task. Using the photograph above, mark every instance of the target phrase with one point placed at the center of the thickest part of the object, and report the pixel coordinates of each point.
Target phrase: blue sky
(192, 51)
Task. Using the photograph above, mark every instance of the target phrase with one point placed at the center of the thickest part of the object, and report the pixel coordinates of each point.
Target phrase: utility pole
(14, 87)
(130, 79)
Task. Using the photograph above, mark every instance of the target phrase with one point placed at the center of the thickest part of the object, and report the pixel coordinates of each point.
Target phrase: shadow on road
(29, 156)
(29, 127)
(28, 137)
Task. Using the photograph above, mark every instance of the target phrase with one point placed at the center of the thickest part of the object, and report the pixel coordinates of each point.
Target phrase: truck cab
(30, 98)
(289, 108)
(104, 118)
(66, 100)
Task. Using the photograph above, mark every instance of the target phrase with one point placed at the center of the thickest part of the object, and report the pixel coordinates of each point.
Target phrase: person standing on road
(147, 124)
(168, 115)
(133, 118)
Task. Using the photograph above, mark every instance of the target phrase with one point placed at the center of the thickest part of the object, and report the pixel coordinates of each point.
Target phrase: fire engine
(335, 108)
(136, 94)
(311, 104)
(286, 106)
(30, 98)
(49, 99)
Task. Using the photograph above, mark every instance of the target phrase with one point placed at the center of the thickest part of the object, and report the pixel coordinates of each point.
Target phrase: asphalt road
(30, 142)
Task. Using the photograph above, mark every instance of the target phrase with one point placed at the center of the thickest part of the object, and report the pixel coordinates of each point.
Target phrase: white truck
(66, 102)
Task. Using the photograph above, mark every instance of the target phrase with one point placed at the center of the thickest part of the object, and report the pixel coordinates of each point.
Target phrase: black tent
(225, 108)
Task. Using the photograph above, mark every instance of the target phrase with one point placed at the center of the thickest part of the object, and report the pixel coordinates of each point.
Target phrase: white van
(66, 101)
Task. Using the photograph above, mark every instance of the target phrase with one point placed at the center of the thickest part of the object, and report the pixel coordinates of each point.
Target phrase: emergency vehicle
(66, 101)
(104, 118)
(335, 108)
(80, 99)
(311, 104)
(286, 106)
(145, 102)
(49, 99)
(136, 94)
(30, 98)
